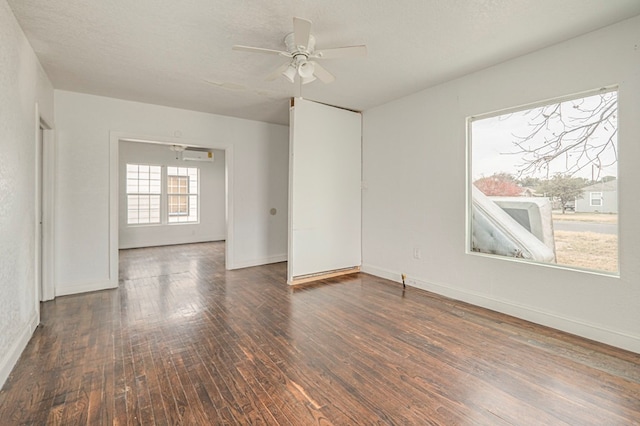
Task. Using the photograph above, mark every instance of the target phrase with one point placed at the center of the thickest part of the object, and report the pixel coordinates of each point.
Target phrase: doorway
(117, 185)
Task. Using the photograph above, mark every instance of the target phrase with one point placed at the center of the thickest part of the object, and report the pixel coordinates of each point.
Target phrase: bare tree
(582, 132)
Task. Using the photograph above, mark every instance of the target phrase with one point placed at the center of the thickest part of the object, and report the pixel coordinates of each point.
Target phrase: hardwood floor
(183, 341)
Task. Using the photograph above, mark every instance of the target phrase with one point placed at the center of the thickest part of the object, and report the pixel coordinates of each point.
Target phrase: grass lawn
(587, 250)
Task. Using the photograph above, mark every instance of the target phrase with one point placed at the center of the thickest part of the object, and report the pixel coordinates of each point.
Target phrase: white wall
(211, 224)
(324, 189)
(85, 123)
(22, 85)
(415, 189)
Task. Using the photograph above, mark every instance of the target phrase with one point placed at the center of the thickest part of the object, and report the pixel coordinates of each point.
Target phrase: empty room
(299, 212)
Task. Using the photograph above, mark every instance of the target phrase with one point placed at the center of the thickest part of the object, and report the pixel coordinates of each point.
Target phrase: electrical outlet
(417, 254)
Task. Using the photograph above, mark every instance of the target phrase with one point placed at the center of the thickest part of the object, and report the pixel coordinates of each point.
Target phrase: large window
(143, 193)
(543, 183)
(182, 194)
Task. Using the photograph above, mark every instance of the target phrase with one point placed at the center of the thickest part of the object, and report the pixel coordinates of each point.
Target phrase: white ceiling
(161, 51)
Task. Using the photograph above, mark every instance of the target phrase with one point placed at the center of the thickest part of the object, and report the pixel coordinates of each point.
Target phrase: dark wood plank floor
(183, 341)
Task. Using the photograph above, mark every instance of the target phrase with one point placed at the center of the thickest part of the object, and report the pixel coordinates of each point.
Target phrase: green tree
(563, 188)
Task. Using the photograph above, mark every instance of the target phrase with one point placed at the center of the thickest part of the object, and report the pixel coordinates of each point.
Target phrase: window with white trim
(595, 198)
(182, 194)
(144, 189)
(531, 171)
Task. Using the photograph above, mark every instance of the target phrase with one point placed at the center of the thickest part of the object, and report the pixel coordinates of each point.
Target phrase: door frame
(114, 157)
(44, 205)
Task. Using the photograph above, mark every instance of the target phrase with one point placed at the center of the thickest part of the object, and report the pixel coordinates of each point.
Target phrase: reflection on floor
(183, 341)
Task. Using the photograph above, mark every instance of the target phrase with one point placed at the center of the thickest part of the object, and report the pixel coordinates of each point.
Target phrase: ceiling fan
(300, 49)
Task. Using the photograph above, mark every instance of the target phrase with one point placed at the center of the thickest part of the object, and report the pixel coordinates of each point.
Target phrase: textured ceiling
(162, 51)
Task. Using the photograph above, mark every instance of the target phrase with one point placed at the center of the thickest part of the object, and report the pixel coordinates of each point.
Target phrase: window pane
(132, 202)
(132, 187)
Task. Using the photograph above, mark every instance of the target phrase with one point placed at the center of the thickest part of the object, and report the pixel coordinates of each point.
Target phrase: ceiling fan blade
(307, 80)
(341, 52)
(226, 85)
(301, 32)
(261, 50)
(324, 75)
(276, 73)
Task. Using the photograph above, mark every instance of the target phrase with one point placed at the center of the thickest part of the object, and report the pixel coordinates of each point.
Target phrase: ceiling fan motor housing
(299, 50)
(300, 59)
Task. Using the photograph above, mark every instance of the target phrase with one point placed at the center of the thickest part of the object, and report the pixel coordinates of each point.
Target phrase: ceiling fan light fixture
(300, 47)
(306, 69)
(290, 73)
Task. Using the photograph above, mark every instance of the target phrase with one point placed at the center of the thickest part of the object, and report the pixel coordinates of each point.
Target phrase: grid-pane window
(182, 194)
(178, 202)
(144, 186)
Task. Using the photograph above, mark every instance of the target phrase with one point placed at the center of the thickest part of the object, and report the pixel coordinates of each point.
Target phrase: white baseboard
(64, 290)
(569, 325)
(8, 360)
(123, 245)
(257, 262)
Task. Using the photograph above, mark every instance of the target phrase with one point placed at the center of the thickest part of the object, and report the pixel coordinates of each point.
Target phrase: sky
(493, 149)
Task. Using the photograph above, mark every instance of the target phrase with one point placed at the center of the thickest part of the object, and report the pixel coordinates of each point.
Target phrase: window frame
(139, 194)
(177, 194)
(163, 197)
(469, 180)
(600, 198)
(191, 194)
